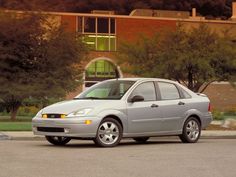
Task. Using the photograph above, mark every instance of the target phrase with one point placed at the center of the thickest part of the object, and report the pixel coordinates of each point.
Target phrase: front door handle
(181, 103)
(154, 106)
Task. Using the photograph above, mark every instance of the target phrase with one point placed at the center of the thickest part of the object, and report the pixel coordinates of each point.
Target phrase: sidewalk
(17, 135)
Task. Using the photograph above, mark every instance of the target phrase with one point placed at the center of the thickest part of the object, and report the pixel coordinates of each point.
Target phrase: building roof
(132, 17)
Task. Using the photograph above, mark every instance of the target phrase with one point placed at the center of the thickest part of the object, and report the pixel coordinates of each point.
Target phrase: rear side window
(147, 90)
(168, 91)
(186, 94)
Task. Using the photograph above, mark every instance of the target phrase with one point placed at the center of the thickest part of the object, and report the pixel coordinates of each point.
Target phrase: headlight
(81, 112)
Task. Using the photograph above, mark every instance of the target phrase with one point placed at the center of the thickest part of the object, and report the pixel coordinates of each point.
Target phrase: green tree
(195, 58)
(37, 59)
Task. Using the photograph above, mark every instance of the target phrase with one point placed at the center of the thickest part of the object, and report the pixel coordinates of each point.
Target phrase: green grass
(18, 119)
(15, 126)
(22, 123)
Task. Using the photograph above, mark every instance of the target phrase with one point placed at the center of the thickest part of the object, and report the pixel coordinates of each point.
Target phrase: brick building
(103, 31)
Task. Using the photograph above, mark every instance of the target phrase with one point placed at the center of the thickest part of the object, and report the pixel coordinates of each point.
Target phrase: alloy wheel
(108, 133)
(192, 130)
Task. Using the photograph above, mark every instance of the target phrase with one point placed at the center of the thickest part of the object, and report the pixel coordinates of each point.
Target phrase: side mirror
(136, 98)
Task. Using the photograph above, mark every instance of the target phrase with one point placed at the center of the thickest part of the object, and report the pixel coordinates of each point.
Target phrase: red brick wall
(222, 96)
(70, 22)
(131, 29)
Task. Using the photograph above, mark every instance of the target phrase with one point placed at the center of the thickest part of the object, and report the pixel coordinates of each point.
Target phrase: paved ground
(19, 135)
(161, 157)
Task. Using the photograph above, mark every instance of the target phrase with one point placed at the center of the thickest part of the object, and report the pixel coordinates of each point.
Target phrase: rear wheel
(109, 133)
(58, 140)
(141, 139)
(191, 131)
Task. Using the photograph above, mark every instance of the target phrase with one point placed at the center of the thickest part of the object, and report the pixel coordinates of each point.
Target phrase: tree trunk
(190, 80)
(14, 112)
(207, 84)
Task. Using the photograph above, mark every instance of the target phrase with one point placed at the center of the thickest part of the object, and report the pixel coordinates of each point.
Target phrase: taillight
(209, 107)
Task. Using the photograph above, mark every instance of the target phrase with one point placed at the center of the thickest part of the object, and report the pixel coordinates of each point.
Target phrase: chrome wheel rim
(192, 130)
(108, 133)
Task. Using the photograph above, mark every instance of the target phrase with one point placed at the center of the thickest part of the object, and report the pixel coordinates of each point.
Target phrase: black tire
(58, 140)
(141, 139)
(191, 130)
(109, 133)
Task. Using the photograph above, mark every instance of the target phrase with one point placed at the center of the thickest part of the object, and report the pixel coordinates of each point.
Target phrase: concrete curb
(219, 134)
(20, 135)
(206, 134)
(4, 137)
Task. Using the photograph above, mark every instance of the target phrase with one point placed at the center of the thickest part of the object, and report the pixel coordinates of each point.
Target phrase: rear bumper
(71, 127)
(206, 120)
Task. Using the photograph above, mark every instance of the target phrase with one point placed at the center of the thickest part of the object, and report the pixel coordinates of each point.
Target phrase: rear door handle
(181, 103)
(154, 106)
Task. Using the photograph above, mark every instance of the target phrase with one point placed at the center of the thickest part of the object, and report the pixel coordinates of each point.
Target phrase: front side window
(114, 89)
(168, 91)
(146, 90)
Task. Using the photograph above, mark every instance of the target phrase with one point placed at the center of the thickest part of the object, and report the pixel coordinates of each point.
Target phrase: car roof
(145, 79)
(157, 79)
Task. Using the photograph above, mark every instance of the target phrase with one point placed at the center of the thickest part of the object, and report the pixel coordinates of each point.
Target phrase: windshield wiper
(76, 98)
(91, 97)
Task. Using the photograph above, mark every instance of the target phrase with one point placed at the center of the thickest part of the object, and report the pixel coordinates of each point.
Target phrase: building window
(89, 25)
(112, 22)
(90, 40)
(103, 43)
(100, 70)
(98, 32)
(103, 25)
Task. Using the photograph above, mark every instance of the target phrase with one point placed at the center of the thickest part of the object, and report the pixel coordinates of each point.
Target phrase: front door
(144, 116)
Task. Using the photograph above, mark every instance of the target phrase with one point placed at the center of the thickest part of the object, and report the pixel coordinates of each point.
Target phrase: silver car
(136, 108)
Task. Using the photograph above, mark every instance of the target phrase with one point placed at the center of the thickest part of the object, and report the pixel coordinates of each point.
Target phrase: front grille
(54, 116)
(50, 129)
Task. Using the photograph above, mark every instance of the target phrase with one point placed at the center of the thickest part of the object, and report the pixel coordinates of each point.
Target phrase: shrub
(231, 111)
(27, 111)
(217, 115)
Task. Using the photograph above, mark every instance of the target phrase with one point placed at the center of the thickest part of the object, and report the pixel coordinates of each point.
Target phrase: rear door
(172, 105)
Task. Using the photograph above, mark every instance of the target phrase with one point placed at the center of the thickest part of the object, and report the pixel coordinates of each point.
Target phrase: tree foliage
(209, 8)
(195, 58)
(37, 59)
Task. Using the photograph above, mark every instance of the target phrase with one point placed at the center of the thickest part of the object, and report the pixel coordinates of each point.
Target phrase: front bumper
(71, 127)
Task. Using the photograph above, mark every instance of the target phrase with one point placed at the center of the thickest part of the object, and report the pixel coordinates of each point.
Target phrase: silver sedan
(136, 108)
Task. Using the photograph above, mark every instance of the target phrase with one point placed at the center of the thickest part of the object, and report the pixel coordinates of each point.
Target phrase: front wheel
(109, 133)
(191, 131)
(57, 140)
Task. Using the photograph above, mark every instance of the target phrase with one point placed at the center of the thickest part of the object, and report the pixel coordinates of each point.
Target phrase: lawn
(15, 126)
(22, 123)
(18, 119)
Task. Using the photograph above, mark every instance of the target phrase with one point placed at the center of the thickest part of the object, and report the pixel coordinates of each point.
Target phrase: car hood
(67, 107)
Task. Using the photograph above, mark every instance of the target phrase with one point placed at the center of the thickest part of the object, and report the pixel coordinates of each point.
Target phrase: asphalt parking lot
(165, 157)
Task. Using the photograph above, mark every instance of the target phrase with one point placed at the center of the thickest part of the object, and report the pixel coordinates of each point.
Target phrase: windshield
(113, 89)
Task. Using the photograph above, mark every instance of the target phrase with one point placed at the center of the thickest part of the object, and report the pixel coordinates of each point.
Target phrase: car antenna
(117, 75)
